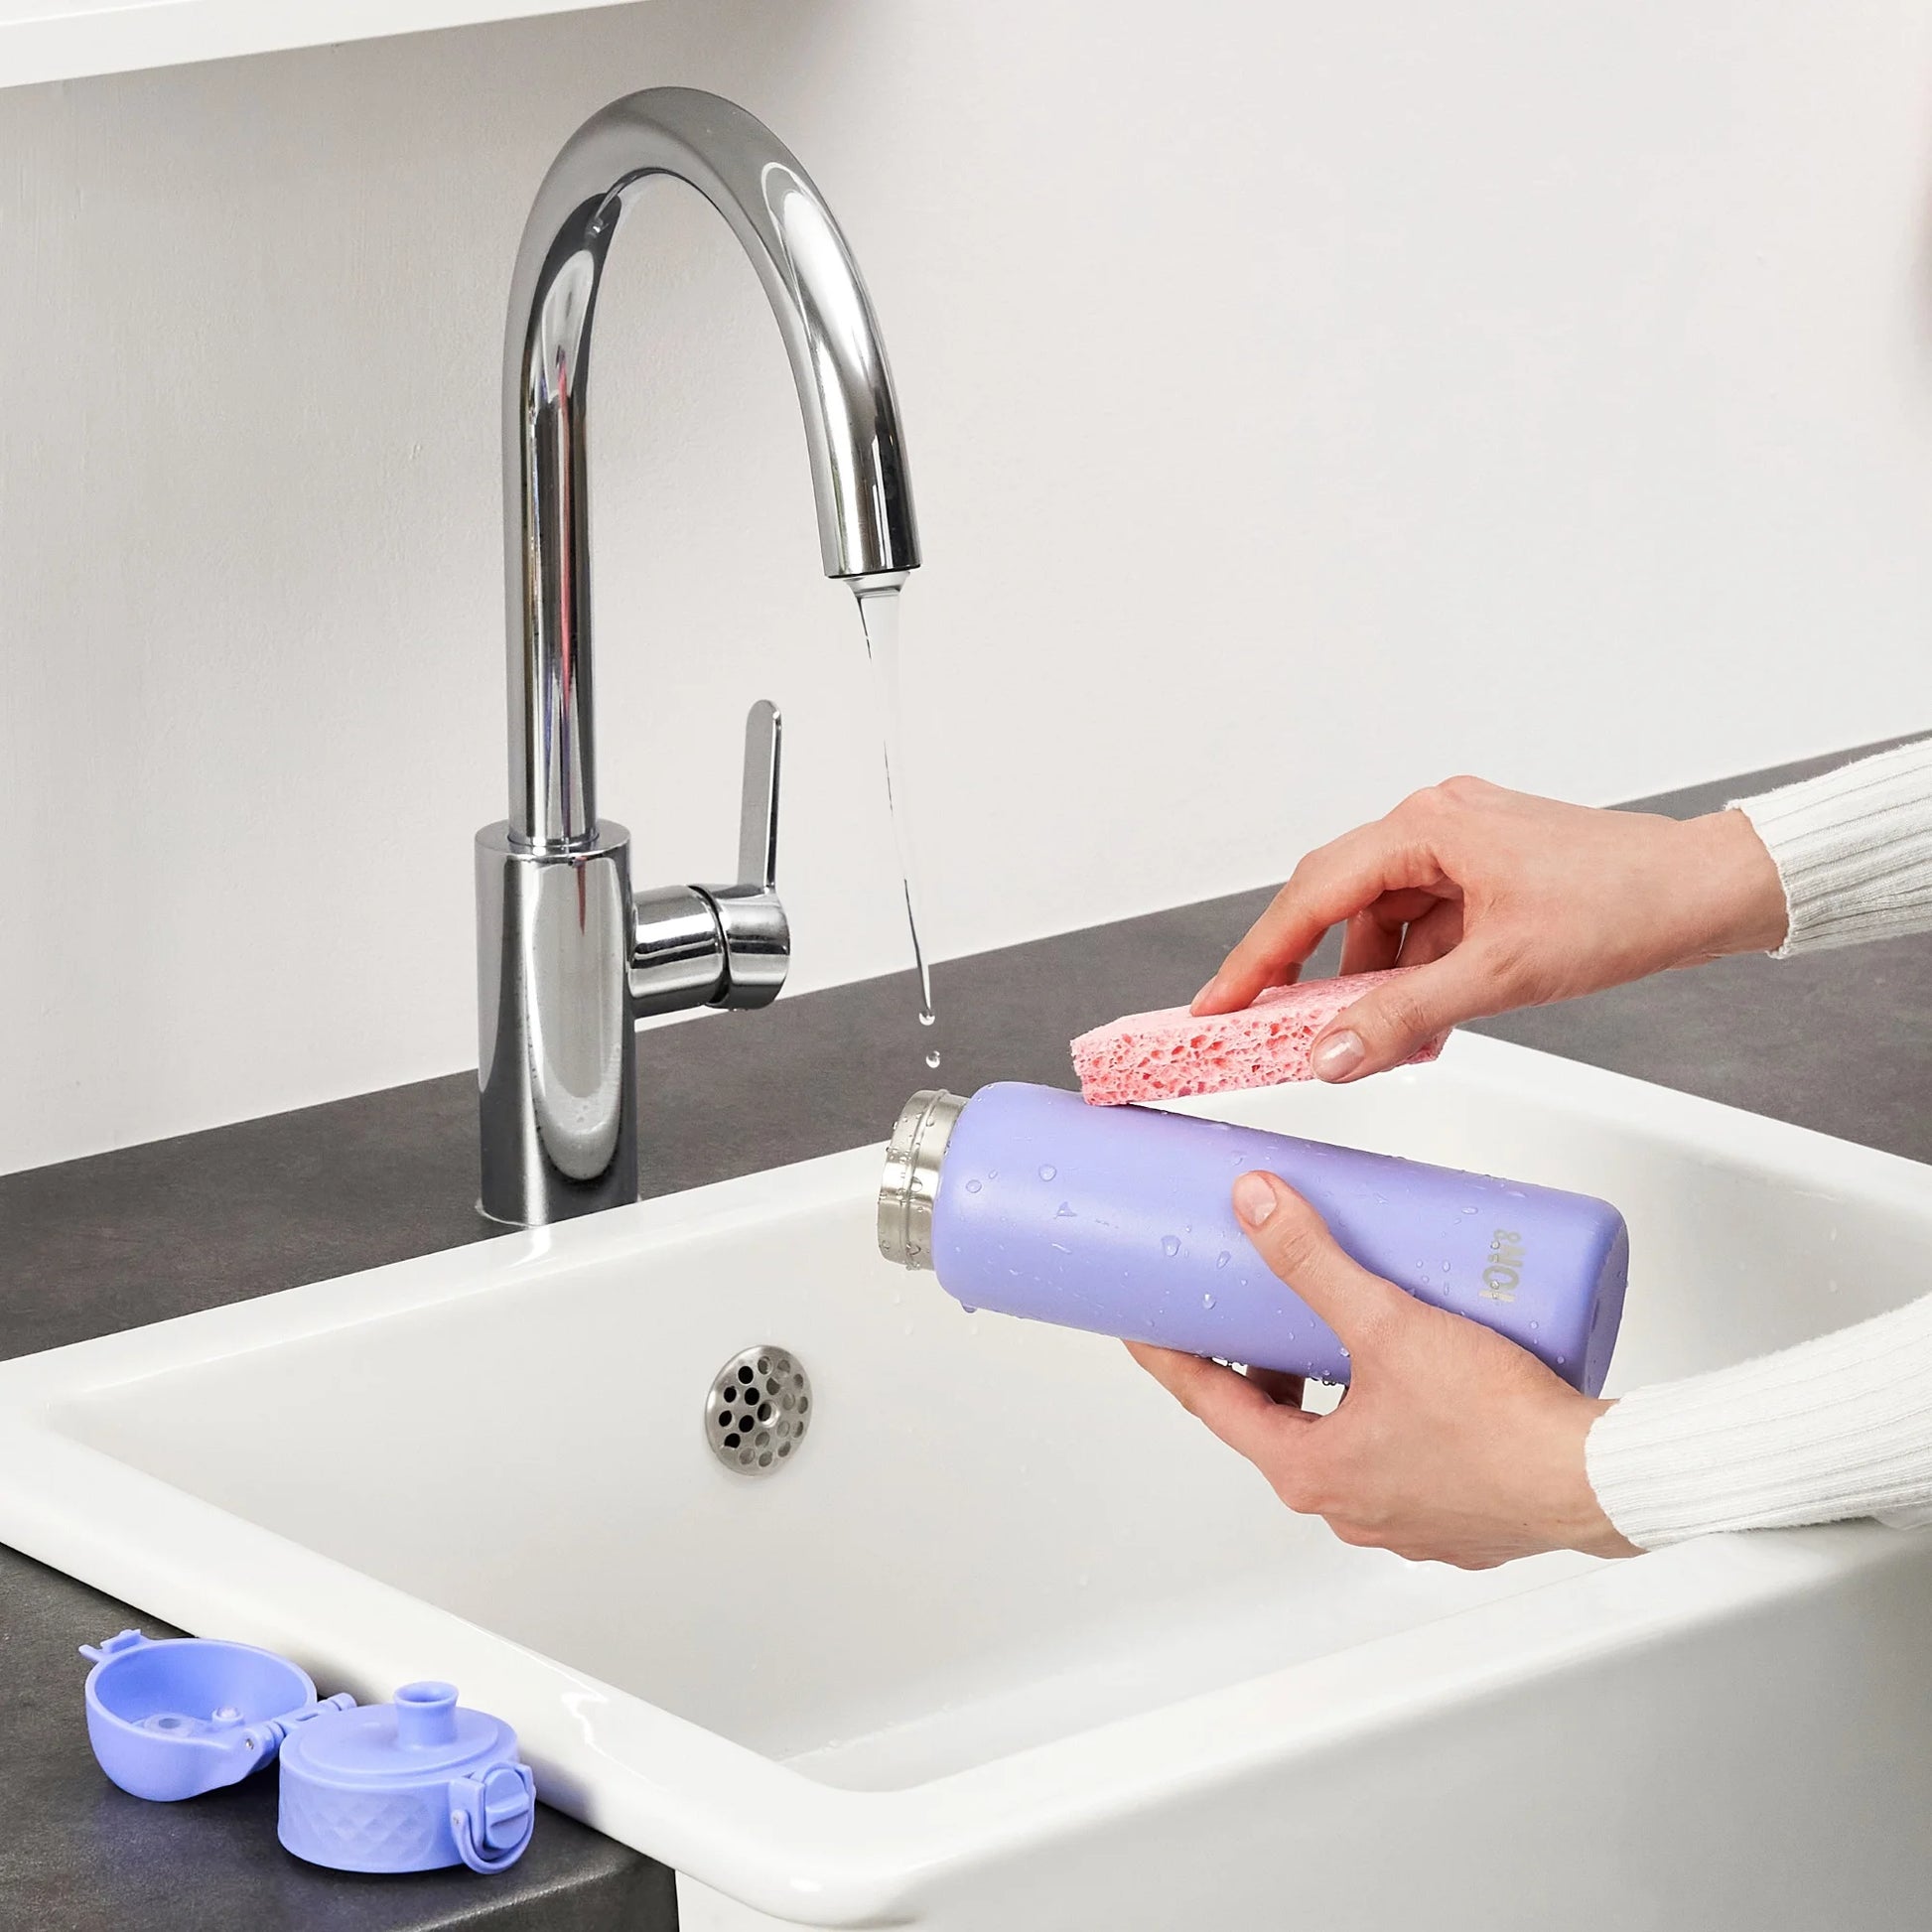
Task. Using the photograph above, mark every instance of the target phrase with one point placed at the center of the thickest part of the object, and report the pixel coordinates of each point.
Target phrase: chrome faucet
(568, 959)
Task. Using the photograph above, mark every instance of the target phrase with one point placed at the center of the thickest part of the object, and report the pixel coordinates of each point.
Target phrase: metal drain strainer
(759, 1410)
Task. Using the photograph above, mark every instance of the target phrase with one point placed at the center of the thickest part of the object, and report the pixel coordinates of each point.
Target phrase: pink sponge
(1163, 1056)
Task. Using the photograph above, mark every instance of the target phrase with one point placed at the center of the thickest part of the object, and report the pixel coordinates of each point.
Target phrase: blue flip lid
(170, 1718)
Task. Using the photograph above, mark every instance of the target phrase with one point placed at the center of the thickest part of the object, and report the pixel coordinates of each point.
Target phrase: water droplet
(972, 1187)
(1469, 1210)
(1170, 1245)
(1223, 1259)
(1534, 1326)
(1063, 1213)
(1560, 1360)
(1047, 1174)
(1060, 1248)
(933, 1057)
(966, 1307)
(1445, 1268)
(992, 1174)
(1207, 1301)
(926, 1017)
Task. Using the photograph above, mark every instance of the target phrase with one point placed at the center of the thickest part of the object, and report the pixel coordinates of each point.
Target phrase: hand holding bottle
(1453, 1444)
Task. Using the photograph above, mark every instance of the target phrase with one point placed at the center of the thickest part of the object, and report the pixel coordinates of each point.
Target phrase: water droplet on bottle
(966, 1307)
(1560, 1360)
(1534, 1326)
(1469, 1210)
(1063, 1213)
(1047, 1174)
(927, 1015)
(1060, 1248)
(1223, 1259)
(972, 1187)
(1170, 1245)
(992, 1174)
(1445, 1267)
(1207, 1301)
(933, 1057)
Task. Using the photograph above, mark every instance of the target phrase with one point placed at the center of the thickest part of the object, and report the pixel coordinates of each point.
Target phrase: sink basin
(1010, 1641)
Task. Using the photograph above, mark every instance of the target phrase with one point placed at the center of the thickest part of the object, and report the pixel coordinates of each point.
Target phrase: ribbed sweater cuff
(1835, 1427)
(1854, 849)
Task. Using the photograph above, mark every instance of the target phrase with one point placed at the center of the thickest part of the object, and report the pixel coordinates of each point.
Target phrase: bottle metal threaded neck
(913, 1152)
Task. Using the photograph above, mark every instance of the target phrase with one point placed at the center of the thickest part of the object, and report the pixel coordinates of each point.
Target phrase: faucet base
(555, 1086)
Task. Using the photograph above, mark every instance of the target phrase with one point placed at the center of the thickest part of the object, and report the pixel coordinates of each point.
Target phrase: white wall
(1305, 401)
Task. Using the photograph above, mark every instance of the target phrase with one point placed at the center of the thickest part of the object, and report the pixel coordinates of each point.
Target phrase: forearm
(1852, 848)
(1835, 1427)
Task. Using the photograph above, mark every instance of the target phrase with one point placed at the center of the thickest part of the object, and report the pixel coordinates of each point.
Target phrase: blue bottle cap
(174, 1717)
(407, 1786)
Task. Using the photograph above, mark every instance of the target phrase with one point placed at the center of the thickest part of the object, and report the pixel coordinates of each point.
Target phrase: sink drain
(759, 1410)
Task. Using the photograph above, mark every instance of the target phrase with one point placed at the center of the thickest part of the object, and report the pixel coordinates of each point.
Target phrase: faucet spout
(865, 525)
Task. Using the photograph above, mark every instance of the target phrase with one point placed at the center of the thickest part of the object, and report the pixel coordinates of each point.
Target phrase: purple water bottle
(1117, 1219)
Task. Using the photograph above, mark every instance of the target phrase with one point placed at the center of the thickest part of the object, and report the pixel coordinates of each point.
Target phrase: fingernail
(1254, 1198)
(1336, 1056)
(1206, 993)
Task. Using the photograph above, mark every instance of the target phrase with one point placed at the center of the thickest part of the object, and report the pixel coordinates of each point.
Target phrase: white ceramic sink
(1012, 1642)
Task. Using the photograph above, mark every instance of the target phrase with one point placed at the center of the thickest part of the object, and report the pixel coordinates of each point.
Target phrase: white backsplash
(1303, 402)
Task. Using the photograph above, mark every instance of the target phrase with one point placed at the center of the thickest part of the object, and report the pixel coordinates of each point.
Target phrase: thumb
(1402, 1015)
(1294, 1240)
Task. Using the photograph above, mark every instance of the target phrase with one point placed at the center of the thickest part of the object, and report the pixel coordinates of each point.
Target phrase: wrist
(1576, 1520)
(1740, 894)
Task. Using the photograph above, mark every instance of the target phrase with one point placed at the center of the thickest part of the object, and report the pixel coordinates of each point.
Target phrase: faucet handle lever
(758, 823)
(752, 925)
(721, 945)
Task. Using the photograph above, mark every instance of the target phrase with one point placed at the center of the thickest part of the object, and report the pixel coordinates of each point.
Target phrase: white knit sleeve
(1834, 1428)
(1854, 849)
(1842, 1426)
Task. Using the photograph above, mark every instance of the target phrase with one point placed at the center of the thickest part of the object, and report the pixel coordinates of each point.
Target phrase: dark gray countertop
(1839, 1041)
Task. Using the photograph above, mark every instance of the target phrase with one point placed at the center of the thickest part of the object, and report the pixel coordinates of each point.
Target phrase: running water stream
(879, 613)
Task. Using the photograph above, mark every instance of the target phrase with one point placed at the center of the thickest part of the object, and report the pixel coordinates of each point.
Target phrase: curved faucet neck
(845, 390)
